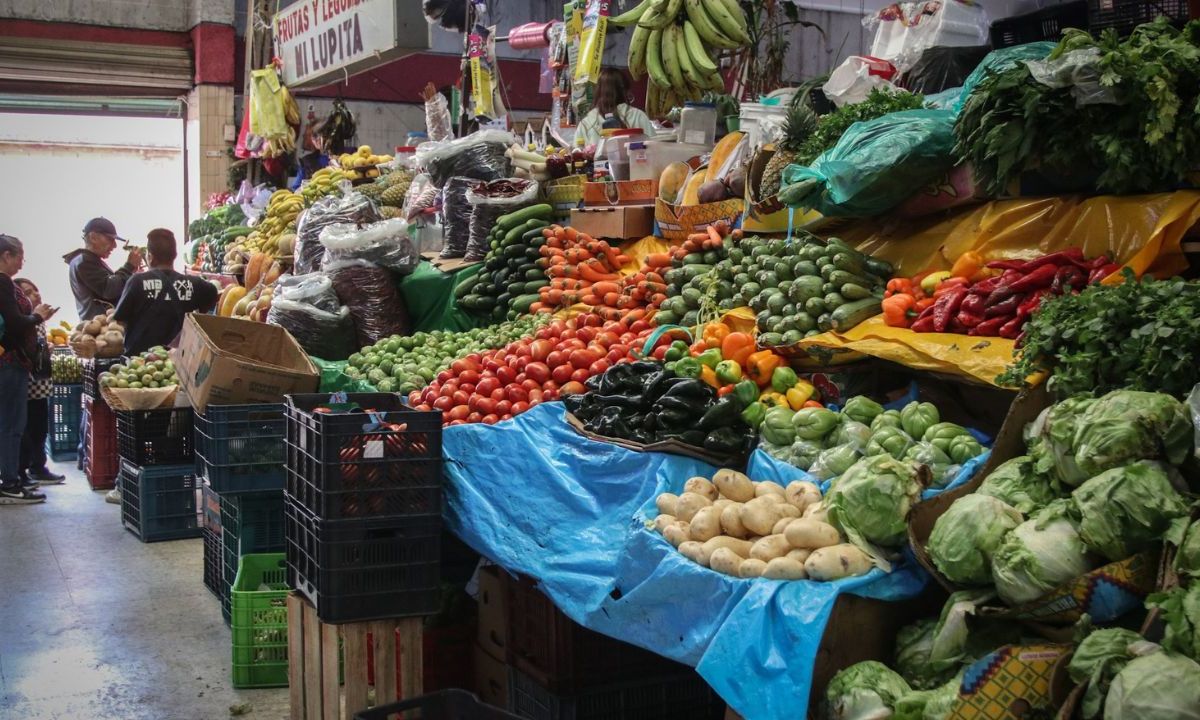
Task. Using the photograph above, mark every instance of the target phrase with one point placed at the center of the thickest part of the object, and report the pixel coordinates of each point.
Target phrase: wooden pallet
(313, 673)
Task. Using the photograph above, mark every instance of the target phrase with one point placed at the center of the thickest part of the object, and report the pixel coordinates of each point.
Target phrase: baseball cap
(102, 225)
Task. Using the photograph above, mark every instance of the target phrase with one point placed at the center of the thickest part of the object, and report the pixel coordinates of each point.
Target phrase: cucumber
(521, 303)
(532, 234)
(513, 219)
(532, 286)
(878, 267)
(691, 272)
(513, 251)
(230, 234)
(841, 277)
(535, 274)
(694, 259)
(851, 291)
(853, 313)
(465, 287)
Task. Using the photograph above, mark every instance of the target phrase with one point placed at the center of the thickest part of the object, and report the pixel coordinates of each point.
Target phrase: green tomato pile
(65, 370)
(403, 364)
(151, 369)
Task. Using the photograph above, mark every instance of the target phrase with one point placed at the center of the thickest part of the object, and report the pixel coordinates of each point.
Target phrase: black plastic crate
(1125, 15)
(353, 570)
(241, 448)
(64, 411)
(347, 465)
(443, 705)
(212, 562)
(92, 368)
(1045, 24)
(250, 524)
(680, 696)
(156, 437)
(160, 502)
(564, 656)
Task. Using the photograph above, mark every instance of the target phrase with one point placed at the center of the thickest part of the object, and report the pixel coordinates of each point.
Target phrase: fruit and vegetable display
(254, 303)
(100, 337)
(323, 182)
(151, 369)
(211, 235)
(403, 364)
(722, 177)
(747, 529)
(693, 292)
(511, 278)
(65, 369)
(273, 237)
(550, 164)
(993, 299)
(389, 190)
(59, 335)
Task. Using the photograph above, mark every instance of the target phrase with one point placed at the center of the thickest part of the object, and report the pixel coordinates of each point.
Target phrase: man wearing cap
(96, 287)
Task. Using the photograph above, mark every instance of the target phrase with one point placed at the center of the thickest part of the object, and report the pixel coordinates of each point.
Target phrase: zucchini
(513, 251)
(841, 277)
(691, 272)
(521, 303)
(465, 287)
(535, 273)
(853, 313)
(880, 268)
(532, 286)
(230, 234)
(851, 291)
(513, 219)
(694, 259)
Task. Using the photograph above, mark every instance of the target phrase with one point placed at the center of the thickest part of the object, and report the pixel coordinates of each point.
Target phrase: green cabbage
(1181, 619)
(1128, 425)
(871, 500)
(1187, 557)
(967, 534)
(1018, 483)
(1052, 440)
(930, 651)
(1097, 659)
(1040, 554)
(1125, 509)
(933, 704)
(865, 691)
(1158, 686)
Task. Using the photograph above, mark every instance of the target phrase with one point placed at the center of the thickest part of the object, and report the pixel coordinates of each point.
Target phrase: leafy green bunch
(831, 127)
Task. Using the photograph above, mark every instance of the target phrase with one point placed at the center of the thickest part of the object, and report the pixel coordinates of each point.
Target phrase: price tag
(338, 398)
(373, 450)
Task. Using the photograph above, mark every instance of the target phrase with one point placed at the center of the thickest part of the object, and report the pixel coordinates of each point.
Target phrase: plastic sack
(313, 289)
(999, 60)
(385, 244)
(370, 293)
(1079, 70)
(422, 198)
(875, 165)
(437, 118)
(904, 30)
(832, 462)
(479, 156)
(942, 68)
(267, 111)
(350, 208)
(487, 207)
(852, 81)
(322, 333)
(456, 217)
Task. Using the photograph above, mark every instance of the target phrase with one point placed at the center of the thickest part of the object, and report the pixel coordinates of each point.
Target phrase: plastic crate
(160, 502)
(156, 437)
(92, 368)
(250, 524)
(100, 463)
(64, 411)
(211, 504)
(340, 467)
(443, 705)
(1125, 15)
(680, 696)
(260, 622)
(212, 562)
(1045, 24)
(353, 570)
(241, 448)
(563, 655)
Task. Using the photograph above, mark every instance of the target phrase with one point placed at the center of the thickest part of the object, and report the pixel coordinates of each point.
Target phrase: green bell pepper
(783, 379)
(777, 426)
(887, 418)
(747, 392)
(814, 423)
(963, 448)
(862, 409)
(889, 441)
(753, 414)
(688, 367)
(917, 417)
(711, 358)
(677, 351)
(728, 372)
(941, 434)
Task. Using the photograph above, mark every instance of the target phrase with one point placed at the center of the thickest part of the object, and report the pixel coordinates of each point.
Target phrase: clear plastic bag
(313, 289)
(1079, 70)
(351, 208)
(488, 204)
(941, 467)
(479, 156)
(456, 217)
(324, 334)
(834, 461)
(369, 292)
(385, 244)
(422, 196)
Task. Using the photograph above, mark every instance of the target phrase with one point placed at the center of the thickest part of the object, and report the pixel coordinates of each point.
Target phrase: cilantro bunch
(831, 127)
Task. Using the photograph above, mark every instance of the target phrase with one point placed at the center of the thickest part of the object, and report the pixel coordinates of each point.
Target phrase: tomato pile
(496, 385)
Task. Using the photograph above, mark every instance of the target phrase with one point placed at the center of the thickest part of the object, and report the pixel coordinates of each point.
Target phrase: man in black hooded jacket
(96, 287)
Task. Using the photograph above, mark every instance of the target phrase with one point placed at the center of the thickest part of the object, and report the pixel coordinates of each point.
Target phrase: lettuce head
(1128, 425)
(1158, 686)
(865, 691)
(1018, 483)
(1040, 554)
(1125, 509)
(966, 536)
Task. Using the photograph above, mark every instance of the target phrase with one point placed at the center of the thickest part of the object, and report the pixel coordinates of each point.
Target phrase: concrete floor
(94, 624)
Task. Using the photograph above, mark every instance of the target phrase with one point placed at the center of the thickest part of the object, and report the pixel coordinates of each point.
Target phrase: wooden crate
(318, 693)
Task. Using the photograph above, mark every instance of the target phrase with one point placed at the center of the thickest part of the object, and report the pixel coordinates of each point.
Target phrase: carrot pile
(581, 269)
(711, 239)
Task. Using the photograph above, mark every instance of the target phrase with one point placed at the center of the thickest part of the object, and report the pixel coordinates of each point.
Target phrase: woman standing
(33, 440)
(612, 99)
(21, 321)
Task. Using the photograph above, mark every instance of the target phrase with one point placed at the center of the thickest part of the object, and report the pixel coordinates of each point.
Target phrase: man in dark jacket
(156, 301)
(96, 287)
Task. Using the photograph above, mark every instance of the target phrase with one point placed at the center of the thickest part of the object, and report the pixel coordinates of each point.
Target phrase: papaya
(691, 194)
(272, 274)
(724, 148)
(233, 296)
(672, 180)
(254, 269)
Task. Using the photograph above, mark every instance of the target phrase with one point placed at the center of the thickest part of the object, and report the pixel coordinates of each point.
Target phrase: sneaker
(113, 496)
(15, 495)
(27, 482)
(45, 477)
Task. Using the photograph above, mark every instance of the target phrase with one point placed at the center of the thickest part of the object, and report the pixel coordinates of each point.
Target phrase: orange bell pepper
(737, 346)
(899, 286)
(714, 333)
(923, 303)
(813, 404)
(761, 365)
(949, 284)
(896, 310)
(696, 348)
(709, 376)
(967, 265)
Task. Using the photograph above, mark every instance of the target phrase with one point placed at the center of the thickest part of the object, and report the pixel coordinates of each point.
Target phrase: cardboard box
(620, 223)
(227, 361)
(493, 612)
(676, 222)
(491, 679)
(620, 192)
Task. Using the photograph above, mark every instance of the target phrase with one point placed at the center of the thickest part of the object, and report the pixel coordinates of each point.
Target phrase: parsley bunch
(831, 127)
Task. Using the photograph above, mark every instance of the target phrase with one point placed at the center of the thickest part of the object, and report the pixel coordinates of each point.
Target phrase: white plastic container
(616, 150)
(698, 124)
(755, 117)
(903, 31)
(648, 158)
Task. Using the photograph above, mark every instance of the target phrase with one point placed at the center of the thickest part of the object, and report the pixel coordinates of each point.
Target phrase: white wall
(62, 170)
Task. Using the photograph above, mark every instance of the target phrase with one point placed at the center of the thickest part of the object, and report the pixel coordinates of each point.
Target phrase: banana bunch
(673, 43)
(278, 220)
(323, 182)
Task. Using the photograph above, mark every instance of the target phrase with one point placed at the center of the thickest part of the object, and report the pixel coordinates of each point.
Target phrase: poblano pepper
(917, 417)
(777, 426)
(753, 414)
(747, 392)
(814, 423)
(725, 440)
(724, 412)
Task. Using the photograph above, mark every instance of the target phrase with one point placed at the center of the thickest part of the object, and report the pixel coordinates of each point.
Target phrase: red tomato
(540, 349)
(519, 407)
(474, 417)
(414, 398)
(613, 356)
(459, 412)
(506, 416)
(424, 408)
(460, 397)
(550, 395)
(598, 367)
(586, 334)
(487, 385)
(521, 363)
(468, 376)
(583, 358)
(556, 358)
(486, 405)
(517, 394)
(536, 395)
(506, 375)
(428, 395)
(520, 378)
(457, 422)
(473, 402)
(660, 352)
(467, 387)
(444, 375)
(562, 373)
(538, 372)
(521, 350)
(580, 375)
(458, 367)
(490, 419)
(448, 390)
(572, 344)
(529, 384)
(621, 347)
(498, 394)
(607, 338)
(452, 383)
(503, 407)
(572, 388)
(443, 404)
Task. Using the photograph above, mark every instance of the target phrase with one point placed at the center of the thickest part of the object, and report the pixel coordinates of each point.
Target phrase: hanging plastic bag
(385, 244)
(349, 208)
(479, 156)
(488, 202)
(370, 293)
(456, 217)
(942, 68)
(852, 81)
(313, 289)
(422, 198)
(327, 335)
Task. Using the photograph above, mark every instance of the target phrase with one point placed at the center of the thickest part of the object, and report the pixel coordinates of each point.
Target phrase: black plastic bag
(456, 217)
(352, 208)
(941, 68)
(370, 293)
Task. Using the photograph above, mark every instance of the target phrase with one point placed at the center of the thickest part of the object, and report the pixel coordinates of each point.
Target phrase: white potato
(676, 534)
(741, 548)
(662, 521)
(783, 568)
(787, 510)
(706, 524)
(734, 485)
(768, 487)
(836, 562)
(701, 486)
(772, 499)
(817, 511)
(689, 504)
(770, 547)
(731, 521)
(781, 525)
(693, 551)
(752, 568)
(725, 561)
(722, 503)
(760, 515)
(801, 494)
(666, 503)
(812, 534)
(798, 554)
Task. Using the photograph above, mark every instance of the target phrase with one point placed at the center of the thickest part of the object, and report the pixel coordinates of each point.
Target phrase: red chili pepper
(1070, 256)
(947, 307)
(985, 287)
(973, 304)
(1068, 278)
(1094, 263)
(1006, 307)
(1012, 328)
(923, 323)
(1006, 264)
(1040, 278)
(968, 319)
(1102, 272)
(990, 327)
(1031, 304)
(956, 326)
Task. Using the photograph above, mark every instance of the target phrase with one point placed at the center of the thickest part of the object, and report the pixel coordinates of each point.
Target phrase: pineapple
(797, 126)
(394, 195)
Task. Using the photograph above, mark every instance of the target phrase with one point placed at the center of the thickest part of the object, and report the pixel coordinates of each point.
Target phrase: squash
(254, 269)
(232, 298)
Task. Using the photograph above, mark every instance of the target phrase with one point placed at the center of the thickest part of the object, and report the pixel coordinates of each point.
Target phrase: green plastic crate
(259, 622)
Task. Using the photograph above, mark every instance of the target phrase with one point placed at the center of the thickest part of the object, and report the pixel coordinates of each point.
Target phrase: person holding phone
(95, 285)
(21, 321)
(34, 470)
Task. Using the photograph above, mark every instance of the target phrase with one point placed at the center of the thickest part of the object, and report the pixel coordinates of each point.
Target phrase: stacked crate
(65, 406)
(100, 461)
(160, 492)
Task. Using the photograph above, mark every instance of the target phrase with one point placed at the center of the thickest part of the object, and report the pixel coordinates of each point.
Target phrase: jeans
(33, 440)
(14, 389)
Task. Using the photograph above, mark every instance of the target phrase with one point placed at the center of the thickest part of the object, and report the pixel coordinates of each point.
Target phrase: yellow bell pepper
(799, 394)
(931, 281)
(773, 399)
(709, 376)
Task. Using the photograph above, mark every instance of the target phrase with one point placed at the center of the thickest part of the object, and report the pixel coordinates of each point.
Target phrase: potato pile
(100, 337)
(749, 529)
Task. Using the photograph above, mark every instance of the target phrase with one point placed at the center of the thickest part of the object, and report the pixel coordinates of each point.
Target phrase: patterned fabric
(16, 354)
(40, 389)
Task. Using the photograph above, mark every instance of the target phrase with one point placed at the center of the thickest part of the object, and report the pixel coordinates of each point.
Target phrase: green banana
(632, 15)
(654, 61)
(695, 48)
(637, 51)
(670, 58)
(651, 19)
(706, 28)
(739, 15)
(715, 83)
(686, 66)
(728, 22)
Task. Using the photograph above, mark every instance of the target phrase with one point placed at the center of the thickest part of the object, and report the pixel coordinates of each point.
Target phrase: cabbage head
(1187, 558)
(1125, 509)
(1128, 425)
(1052, 440)
(1098, 658)
(871, 500)
(865, 691)
(966, 536)
(933, 704)
(1040, 554)
(1158, 686)
(1181, 619)
(1018, 483)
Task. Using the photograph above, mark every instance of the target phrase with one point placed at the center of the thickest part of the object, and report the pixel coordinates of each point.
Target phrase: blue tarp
(540, 499)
